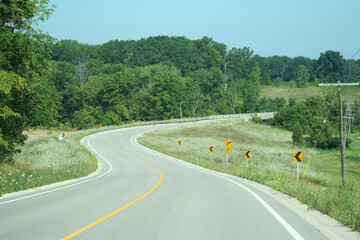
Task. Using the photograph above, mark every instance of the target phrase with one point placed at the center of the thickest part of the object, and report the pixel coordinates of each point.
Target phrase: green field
(301, 94)
(271, 163)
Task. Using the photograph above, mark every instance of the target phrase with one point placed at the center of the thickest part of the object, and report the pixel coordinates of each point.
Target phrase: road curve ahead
(144, 195)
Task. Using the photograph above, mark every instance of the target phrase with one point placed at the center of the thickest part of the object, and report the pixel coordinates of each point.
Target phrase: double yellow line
(123, 207)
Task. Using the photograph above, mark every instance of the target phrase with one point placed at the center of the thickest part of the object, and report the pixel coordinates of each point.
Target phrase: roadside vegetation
(45, 160)
(271, 163)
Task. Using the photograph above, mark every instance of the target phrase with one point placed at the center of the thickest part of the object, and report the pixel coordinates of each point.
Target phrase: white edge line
(281, 220)
(71, 185)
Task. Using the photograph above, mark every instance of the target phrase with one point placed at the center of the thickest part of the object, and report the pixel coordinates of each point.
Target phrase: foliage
(301, 76)
(268, 104)
(310, 114)
(251, 91)
(11, 88)
(330, 67)
(27, 99)
(297, 136)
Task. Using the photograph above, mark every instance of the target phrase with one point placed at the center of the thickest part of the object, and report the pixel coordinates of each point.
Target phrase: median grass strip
(271, 163)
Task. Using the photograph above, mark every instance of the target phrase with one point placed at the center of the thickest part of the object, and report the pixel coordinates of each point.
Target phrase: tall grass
(271, 163)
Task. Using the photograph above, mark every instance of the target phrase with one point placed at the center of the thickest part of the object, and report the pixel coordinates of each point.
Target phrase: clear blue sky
(269, 27)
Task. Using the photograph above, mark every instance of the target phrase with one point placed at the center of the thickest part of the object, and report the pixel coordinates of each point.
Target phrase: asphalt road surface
(140, 194)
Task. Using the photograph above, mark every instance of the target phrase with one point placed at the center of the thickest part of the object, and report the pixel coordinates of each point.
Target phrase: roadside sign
(180, 142)
(133, 121)
(228, 143)
(76, 129)
(63, 135)
(211, 149)
(247, 154)
(298, 156)
(228, 150)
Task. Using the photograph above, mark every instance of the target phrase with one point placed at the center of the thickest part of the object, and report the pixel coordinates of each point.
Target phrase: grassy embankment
(44, 160)
(271, 163)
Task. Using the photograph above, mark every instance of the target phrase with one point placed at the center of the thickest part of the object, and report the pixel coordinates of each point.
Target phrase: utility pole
(180, 111)
(338, 85)
(348, 119)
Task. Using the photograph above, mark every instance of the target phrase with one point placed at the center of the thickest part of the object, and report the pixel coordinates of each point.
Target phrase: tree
(320, 139)
(330, 67)
(297, 136)
(251, 91)
(277, 81)
(24, 52)
(301, 77)
(81, 73)
(11, 86)
(267, 80)
(166, 91)
(84, 118)
(316, 82)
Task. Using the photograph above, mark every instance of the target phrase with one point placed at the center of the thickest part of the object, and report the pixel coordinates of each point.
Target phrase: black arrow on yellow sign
(180, 142)
(298, 156)
(211, 149)
(247, 154)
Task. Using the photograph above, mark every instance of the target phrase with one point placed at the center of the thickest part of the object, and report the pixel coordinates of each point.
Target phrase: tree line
(56, 83)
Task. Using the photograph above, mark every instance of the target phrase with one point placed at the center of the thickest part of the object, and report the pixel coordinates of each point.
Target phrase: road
(144, 195)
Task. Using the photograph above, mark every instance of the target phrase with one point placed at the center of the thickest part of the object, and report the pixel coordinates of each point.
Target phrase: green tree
(23, 57)
(278, 81)
(320, 139)
(111, 118)
(302, 76)
(167, 94)
(297, 136)
(330, 67)
(251, 91)
(267, 80)
(11, 120)
(316, 82)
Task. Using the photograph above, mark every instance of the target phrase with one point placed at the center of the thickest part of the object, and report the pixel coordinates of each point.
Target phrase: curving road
(144, 195)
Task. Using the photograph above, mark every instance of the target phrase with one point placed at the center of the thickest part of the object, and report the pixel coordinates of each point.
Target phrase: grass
(301, 94)
(44, 160)
(271, 163)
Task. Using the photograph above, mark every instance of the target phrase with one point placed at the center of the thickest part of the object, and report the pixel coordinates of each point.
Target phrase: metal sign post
(228, 151)
(228, 144)
(211, 150)
(297, 177)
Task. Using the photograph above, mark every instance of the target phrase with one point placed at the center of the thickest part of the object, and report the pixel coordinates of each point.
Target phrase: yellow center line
(123, 207)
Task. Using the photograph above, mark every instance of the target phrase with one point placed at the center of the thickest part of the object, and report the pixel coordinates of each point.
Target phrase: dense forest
(55, 83)
(159, 77)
